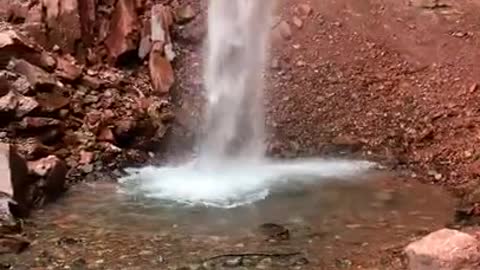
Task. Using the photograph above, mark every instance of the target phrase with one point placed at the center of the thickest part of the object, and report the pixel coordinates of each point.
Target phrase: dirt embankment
(394, 80)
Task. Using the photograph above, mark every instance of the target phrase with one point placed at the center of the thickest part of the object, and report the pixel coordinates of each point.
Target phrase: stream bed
(333, 225)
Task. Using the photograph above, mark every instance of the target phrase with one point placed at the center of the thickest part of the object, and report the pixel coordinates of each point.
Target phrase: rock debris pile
(84, 85)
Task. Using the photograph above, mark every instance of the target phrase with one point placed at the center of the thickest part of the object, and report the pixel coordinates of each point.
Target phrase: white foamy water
(235, 183)
(231, 168)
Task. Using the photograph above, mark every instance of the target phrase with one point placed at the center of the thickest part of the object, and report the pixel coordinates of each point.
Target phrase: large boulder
(444, 250)
(15, 181)
(124, 30)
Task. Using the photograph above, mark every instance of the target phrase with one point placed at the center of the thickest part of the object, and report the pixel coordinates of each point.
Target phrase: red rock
(4, 86)
(93, 120)
(123, 36)
(124, 130)
(146, 41)
(25, 105)
(92, 82)
(87, 12)
(106, 135)
(444, 250)
(15, 181)
(8, 103)
(21, 85)
(67, 69)
(34, 25)
(38, 123)
(304, 10)
(13, 244)
(33, 149)
(56, 179)
(161, 71)
(13, 11)
(297, 22)
(54, 170)
(14, 45)
(36, 76)
(52, 101)
(161, 21)
(63, 22)
(86, 157)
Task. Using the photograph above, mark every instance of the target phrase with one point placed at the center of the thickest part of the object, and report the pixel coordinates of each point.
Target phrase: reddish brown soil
(396, 79)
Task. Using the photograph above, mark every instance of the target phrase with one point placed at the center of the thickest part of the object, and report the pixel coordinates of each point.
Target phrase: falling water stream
(231, 168)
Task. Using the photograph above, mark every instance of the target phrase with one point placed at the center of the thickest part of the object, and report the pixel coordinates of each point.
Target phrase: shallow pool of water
(330, 224)
(371, 202)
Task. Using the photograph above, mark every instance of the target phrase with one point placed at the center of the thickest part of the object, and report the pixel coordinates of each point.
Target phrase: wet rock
(8, 224)
(265, 263)
(88, 168)
(444, 250)
(63, 22)
(67, 69)
(13, 244)
(79, 264)
(346, 143)
(53, 171)
(37, 77)
(184, 14)
(33, 149)
(274, 231)
(161, 71)
(233, 262)
(123, 36)
(15, 181)
(86, 157)
(124, 131)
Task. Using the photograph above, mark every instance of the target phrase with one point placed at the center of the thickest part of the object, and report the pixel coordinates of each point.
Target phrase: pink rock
(161, 71)
(63, 22)
(124, 34)
(86, 157)
(444, 250)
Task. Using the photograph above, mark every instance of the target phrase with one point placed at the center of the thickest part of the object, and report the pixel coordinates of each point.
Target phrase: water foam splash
(234, 184)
